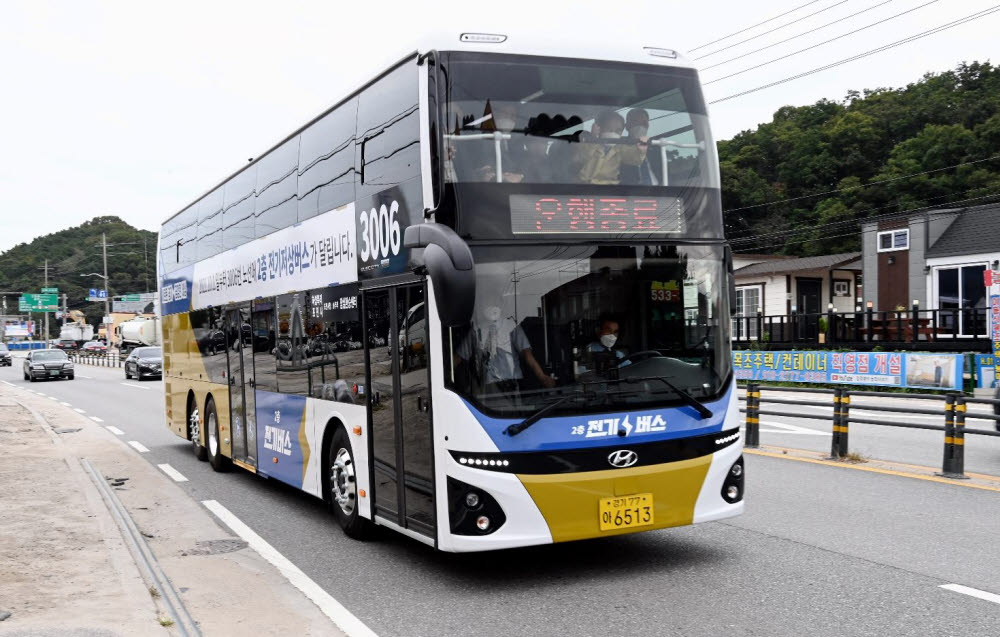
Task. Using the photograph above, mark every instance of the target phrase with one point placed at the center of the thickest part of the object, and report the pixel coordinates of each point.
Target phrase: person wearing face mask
(603, 353)
(502, 117)
(601, 162)
(500, 345)
(637, 125)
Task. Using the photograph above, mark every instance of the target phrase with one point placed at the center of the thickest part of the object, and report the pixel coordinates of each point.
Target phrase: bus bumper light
(732, 486)
(471, 510)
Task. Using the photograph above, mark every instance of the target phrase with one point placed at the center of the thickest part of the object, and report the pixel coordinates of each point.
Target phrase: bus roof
(595, 48)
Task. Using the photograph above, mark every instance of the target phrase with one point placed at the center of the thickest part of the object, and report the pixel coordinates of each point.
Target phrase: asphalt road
(820, 551)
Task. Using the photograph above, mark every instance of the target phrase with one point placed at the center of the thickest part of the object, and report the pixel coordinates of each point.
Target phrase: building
(782, 286)
(936, 258)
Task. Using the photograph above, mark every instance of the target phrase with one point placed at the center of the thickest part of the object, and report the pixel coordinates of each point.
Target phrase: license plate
(54, 372)
(626, 511)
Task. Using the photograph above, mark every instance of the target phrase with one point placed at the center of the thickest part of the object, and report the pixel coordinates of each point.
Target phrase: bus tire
(194, 430)
(219, 462)
(341, 492)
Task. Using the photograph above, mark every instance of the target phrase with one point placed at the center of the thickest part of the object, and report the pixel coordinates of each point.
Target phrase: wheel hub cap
(342, 484)
(213, 441)
(194, 427)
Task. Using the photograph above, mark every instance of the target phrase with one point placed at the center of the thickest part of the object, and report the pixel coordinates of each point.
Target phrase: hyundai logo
(623, 458)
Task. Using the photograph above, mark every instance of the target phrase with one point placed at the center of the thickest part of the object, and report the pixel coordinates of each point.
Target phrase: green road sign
(38, 303)
(50, 290)
(129, 297)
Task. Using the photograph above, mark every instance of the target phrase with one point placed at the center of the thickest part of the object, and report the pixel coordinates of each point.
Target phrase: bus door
(239, 350)
(399, 407)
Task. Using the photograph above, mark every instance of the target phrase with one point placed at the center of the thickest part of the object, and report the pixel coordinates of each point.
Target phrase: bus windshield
(554, 320)
(560, 121)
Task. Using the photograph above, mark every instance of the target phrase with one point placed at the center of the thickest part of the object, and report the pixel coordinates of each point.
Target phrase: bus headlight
(472, 499)
(471, 510)
(732, 486)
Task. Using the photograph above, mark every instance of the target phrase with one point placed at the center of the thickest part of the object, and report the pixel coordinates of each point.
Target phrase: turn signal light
(362, 493)
(357, 430)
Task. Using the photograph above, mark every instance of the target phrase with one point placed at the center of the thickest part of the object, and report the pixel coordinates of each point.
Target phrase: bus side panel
(184, 372)
(326, 413)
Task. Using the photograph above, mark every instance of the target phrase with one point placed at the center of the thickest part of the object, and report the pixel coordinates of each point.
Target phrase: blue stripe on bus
(601, 430)
(280, 423)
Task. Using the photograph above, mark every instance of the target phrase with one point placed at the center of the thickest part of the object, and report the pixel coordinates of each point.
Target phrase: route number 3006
(379, 236)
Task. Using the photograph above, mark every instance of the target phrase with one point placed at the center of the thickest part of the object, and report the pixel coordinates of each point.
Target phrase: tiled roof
(975, 231)
(847, 260)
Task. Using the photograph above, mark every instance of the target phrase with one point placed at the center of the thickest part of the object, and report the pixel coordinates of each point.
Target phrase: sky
(134, 109)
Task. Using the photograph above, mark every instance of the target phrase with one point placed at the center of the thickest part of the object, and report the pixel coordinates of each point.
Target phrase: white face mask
(610, 135)
(504, 123)
(608, 340)
(492, 313)
(638, 131)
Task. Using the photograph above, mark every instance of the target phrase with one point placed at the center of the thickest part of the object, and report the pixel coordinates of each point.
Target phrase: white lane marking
(973, 592)
(138, 446)
(96, 419)
(78, 410)
(134, 385)
(11, 384)
(39, 393)
(65, 404)
(792, 429)
(330, 607)
(115, 430)
(173, 473)
(87, 377)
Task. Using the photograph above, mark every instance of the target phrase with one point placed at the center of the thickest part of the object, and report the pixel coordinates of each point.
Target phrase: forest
(802, 183)
(77, 251)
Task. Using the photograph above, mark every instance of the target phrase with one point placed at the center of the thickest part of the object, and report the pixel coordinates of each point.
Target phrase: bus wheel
(342, 488)
(194, 431)
(215, 458)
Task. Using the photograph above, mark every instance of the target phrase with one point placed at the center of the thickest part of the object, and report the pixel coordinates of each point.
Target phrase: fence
(99, 359)
(953, 414)
(956, 329)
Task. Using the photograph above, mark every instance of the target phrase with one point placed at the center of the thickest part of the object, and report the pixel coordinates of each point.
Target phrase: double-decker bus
(483, 300)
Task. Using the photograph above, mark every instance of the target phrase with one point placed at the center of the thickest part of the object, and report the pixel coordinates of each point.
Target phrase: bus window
(290, 345)
(333, 351)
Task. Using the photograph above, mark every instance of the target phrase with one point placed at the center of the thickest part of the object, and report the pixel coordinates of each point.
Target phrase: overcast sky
(134, 109)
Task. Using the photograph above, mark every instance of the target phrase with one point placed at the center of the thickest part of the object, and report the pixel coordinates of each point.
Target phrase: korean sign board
(137, 303)
(38, 303)
(887, 369)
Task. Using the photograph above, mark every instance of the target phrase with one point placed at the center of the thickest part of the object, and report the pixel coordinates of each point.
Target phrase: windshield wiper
(517, 428)
(702, 410)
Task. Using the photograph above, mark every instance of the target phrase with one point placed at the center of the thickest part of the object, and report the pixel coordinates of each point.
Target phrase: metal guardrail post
(845, 420)
(753, 416)
(948, 464)
(835, 440)
(958, 440)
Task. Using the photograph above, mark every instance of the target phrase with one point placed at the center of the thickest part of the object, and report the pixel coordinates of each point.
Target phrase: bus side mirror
(449, 263)
(731, 280)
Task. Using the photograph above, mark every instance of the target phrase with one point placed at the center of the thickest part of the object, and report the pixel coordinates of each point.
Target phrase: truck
(141, 331)
(75, 331)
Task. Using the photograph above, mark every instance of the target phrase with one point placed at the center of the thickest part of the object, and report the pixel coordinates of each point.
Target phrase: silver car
(42, 364)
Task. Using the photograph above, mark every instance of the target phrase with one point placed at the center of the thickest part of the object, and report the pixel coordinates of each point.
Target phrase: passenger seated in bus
(601, 163)
(476, 160)
(603, 352)
(637, 126)
(500, 344)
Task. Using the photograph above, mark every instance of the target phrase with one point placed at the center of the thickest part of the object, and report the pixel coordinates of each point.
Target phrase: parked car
(5, 359)
(67, 345)
(94, 346)
(41, 364)
(144, 362)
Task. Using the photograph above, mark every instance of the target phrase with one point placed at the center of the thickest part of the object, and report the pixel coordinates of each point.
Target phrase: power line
(886, 47)
(760, 35)
(873, 183)
(814, 46)
(822, 26)
(726, 37)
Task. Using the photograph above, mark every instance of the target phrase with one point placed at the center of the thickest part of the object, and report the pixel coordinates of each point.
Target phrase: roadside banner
(985, 370)
(887, 369)
(995, 332)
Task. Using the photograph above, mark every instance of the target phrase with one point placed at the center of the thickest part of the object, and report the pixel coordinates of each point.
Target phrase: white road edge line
(96, 419)
(78, 410)
(10, 383)
(115, 430)
(65, 404)
(972, 592)
(330, 607)
(173, 473)
(134, 385)
(138, 446)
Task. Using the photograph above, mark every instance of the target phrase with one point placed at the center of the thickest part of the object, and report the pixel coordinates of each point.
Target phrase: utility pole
(107, 299)
(46, 313)
(65, 309)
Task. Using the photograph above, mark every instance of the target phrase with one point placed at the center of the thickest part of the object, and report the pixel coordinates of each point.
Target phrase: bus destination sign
(575, 214)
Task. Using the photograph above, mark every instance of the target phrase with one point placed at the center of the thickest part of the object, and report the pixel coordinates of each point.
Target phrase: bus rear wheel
(342, 489)
(218, 461)
(194, 431)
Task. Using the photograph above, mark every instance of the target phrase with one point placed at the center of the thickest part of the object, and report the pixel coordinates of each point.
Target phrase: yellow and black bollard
(753, 416)
(835, 449)
(948, 469)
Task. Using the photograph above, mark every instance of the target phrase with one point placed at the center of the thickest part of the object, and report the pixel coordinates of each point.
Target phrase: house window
(961, 297)
(841, 288)
(748, 299)
(893, 240)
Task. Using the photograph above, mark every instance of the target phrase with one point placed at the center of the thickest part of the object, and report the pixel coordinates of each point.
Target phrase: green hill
(879, 135)
(76, 251)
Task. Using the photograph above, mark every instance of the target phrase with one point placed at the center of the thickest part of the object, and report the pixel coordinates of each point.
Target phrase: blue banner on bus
(281, 436)
(888, 369)
(175, 291)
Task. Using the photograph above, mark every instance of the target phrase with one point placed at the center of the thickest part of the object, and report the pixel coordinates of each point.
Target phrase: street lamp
(107, 309)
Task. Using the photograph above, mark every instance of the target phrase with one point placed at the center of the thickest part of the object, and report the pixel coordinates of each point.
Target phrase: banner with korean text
(887, 369)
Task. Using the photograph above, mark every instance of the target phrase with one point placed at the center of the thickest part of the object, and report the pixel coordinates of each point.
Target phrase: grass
(853, 457)
(166, 622)
(155, 594)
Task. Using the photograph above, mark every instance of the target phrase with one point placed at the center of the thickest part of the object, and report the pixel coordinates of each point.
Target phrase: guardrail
(99, 359)
(953, 413)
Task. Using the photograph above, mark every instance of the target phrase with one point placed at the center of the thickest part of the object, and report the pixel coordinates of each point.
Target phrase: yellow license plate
(626, 511)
